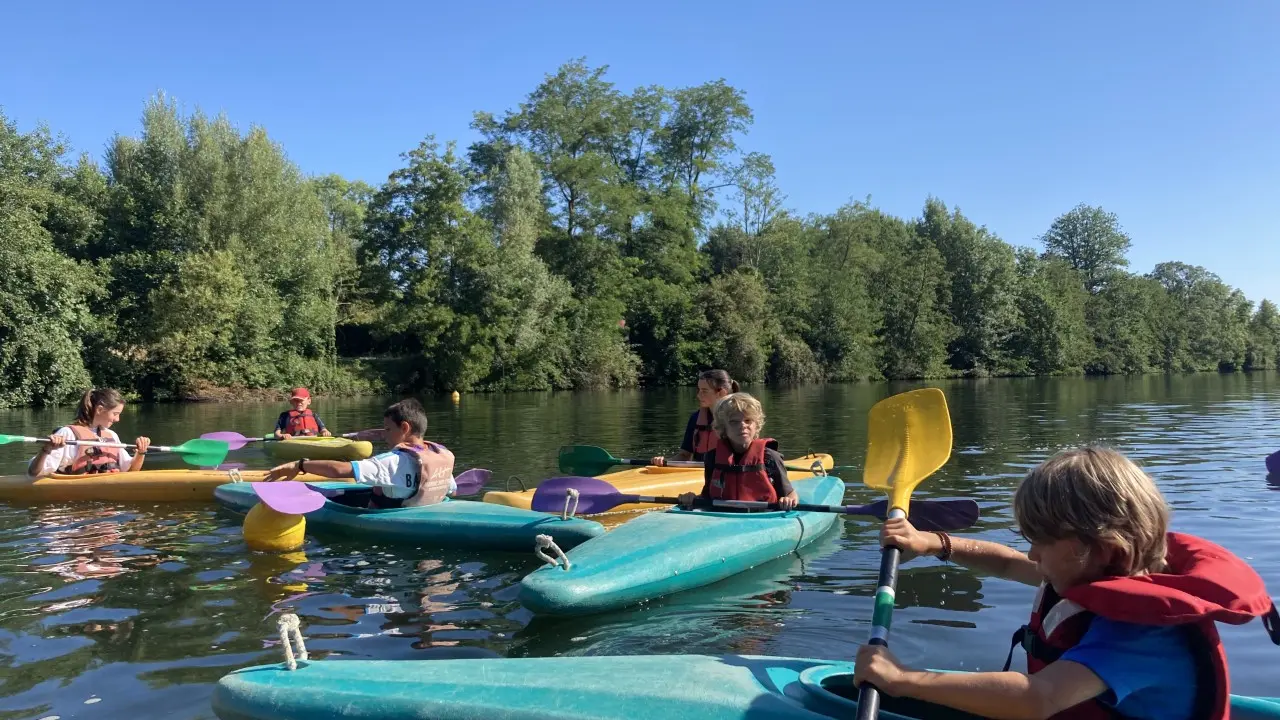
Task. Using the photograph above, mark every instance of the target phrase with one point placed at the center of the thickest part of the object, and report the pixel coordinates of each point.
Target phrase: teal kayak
(654, 687)
(667, 552)
(456, 523)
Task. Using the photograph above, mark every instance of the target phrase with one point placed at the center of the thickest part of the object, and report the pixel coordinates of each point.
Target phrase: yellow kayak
(320, 448)
(655, 480)
(141, 486)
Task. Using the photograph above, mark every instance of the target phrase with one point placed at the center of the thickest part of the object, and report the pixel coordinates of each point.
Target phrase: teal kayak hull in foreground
(455, 523)
(666, 552)
(652, 687)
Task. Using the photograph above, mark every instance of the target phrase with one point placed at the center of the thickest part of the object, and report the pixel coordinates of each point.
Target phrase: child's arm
(777, 469)
(1000, 695)
(323, 468)
(279, 433)
(986, 557)
(324, 431)
(686, 499)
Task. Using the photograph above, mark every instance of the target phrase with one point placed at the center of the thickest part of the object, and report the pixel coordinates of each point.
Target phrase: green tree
(979, 291)
(1264, 338)
(44, 294)
(1091, 241)
(1052, 336)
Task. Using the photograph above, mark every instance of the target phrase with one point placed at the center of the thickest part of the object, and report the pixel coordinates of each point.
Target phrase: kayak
(140, 486)
(656, 480)
(456, 523)
(319, 448)
(660, 687)
(665, 552)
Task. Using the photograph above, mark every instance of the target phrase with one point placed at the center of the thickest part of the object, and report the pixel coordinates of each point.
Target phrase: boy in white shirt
(415, 472)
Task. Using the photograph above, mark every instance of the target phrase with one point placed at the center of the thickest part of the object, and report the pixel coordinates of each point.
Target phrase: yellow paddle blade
(908, 439)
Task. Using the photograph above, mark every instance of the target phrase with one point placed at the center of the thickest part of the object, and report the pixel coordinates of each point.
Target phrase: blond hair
(740, 403)
(1099, 497)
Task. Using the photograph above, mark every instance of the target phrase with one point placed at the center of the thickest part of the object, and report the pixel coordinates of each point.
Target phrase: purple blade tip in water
(290, 498)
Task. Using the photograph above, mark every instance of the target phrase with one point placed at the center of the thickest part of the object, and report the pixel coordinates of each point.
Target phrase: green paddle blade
(586, 460)
(6, 439)
(202, 453)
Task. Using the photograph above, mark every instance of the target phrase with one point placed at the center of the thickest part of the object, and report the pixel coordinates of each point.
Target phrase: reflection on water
(135, 610)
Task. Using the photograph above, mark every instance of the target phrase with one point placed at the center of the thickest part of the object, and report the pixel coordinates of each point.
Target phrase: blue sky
(1166, 113)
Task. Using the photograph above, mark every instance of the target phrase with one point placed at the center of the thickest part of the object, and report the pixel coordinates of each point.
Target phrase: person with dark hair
(99, 410)
(699, 436)
(414, 472)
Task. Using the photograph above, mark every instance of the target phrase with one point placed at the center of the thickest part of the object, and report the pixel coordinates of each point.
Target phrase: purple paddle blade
(234, 440)
(290, 498)
(472, 481)
(594, 495)
(929, 515)
(1273, 463)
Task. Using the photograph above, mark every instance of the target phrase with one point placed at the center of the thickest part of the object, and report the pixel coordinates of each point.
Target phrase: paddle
(597, 496)
(908, 438)
(590, 460)
(469, 483)
(235, 440)
(201, 453)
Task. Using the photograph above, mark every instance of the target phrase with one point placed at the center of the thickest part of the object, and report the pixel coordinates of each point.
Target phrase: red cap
(300, 393)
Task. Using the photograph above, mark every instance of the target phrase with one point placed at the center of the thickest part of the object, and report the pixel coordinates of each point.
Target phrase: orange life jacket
(301, 423)
(1205, 584)
(745, 477)
(90, 459)
(704, 438)
(433, 476)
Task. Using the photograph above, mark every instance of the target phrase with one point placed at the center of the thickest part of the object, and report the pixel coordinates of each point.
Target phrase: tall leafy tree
(1091, 240)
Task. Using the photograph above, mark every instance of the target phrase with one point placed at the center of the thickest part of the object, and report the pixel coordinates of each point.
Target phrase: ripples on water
(111, 610)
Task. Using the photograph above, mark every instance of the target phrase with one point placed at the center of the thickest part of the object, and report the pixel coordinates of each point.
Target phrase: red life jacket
(1205, 584)
(89, 459)
(301, 423)
(742, 478)
(704, 438)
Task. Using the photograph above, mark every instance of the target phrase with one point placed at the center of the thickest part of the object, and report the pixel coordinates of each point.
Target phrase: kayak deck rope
(570, 495)
(817, 469)
(289, 623)
(234, 474)
(544, 542)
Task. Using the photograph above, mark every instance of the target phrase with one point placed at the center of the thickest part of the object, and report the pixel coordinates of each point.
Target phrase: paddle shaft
(881, 618)
(694, 464)
(158, 448)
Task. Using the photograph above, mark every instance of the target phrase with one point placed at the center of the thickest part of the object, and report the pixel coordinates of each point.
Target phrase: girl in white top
(99, 410)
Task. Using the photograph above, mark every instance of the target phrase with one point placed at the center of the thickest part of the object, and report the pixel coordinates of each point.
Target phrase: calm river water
(110, 610)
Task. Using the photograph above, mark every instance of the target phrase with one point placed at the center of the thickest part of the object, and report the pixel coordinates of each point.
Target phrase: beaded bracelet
(945, 555)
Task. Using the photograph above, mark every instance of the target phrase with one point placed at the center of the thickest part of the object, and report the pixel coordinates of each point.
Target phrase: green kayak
(653, 687)
(667, 552)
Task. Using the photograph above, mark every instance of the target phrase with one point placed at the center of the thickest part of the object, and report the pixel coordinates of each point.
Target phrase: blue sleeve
(1149, 671)
(687, 443)
(319, 422)
(282, 421)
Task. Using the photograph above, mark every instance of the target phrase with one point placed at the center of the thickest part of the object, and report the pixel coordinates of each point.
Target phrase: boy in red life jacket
(415, 472)
(699, 438)
(1123, 625)
(300, 421)
(743, 465)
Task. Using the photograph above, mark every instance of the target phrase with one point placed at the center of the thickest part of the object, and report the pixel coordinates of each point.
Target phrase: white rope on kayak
(570, 495)
(234, 474)
(289, 624)
(543, 542)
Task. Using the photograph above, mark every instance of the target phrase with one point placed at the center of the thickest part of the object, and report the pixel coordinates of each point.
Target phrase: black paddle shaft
(869, 697)
(758, 505)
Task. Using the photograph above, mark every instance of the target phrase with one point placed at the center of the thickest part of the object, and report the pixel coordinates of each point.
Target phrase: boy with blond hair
(742, 465)
(1123, 625)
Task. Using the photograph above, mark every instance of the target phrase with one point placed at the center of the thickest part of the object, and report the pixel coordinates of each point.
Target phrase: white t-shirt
(62, 457)
(395, 472)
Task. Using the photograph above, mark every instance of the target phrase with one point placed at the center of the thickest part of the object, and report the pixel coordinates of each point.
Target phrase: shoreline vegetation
(592, 237)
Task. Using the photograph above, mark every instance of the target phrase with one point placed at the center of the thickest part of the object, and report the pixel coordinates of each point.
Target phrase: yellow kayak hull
(655, 480)
(141, 486)
(320, 448)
